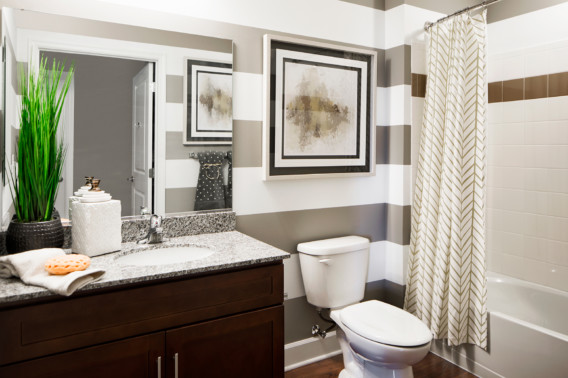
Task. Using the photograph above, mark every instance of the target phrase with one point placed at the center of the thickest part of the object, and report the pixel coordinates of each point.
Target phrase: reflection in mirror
(134, 98)
(106, 122)
(208, 109)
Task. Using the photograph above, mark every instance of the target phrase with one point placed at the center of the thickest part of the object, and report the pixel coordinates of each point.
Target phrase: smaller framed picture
(208, 103)
(319, 118)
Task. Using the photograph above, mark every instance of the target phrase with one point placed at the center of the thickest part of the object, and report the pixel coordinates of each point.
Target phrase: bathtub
(528, 332)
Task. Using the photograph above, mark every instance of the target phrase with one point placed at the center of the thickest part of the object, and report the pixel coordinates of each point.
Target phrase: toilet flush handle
(326, 261)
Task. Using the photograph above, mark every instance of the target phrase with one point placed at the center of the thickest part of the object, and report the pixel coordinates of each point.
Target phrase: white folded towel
(30, 268)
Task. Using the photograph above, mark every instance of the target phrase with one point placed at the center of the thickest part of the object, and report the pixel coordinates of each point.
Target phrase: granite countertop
(233, 249)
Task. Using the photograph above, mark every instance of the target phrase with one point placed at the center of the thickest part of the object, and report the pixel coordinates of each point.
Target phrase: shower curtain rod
(486, 3)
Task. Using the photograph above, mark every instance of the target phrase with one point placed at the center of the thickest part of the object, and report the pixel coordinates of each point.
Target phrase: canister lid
(334, 246)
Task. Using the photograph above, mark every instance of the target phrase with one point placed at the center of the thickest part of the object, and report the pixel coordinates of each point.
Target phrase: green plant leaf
(34, 181)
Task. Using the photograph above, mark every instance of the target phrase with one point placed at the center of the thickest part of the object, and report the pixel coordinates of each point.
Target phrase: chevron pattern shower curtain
(446, 283)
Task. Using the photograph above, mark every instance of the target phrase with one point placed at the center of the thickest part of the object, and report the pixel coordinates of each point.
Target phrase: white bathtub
(528, 332)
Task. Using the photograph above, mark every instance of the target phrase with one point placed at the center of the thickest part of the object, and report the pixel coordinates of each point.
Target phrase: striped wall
(284, 213)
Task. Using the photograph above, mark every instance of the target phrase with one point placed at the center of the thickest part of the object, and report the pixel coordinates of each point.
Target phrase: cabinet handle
(176, 365)
(159, 362)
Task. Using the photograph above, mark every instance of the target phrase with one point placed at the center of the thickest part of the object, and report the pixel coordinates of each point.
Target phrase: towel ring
(209, 166)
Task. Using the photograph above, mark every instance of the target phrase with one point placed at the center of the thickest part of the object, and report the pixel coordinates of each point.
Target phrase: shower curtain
(446, 282)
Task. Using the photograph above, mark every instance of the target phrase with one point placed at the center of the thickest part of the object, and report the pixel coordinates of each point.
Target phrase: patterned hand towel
(229, 186)
(210, 192)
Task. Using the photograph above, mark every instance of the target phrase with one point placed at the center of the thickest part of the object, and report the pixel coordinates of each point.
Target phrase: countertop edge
(262, 253)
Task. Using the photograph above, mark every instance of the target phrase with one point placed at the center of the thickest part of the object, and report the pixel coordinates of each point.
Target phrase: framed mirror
(126, 114)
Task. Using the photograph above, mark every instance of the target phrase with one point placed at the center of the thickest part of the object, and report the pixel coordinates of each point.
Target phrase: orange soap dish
(63, 264)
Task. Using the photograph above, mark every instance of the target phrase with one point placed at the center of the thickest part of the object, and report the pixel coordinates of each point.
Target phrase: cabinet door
(247, 345)
(135, 357)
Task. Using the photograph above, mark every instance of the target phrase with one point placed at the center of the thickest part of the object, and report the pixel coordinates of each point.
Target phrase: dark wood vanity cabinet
(132, 357)
(245, 345)
(221, 325)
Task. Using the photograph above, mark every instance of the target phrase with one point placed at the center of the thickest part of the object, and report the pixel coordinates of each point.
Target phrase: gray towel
(229, 186)
(210, 192)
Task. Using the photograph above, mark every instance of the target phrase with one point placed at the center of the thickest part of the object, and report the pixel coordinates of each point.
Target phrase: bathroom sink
(164, 256)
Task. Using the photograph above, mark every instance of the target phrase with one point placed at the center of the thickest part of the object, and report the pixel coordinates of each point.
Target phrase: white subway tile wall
(528, 172)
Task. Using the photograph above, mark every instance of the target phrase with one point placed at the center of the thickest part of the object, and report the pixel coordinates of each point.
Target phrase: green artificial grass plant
(35, 180)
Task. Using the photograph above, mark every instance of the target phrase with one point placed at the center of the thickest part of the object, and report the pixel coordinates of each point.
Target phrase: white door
(65, 131)
(142, 109)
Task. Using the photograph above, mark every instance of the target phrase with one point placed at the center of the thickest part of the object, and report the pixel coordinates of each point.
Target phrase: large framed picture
(208, 103)
(319, 109)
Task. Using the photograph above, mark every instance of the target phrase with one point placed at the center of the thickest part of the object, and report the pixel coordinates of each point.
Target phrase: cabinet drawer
(48, 328)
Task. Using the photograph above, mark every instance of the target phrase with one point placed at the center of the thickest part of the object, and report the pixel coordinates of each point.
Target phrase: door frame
(147, 144)
(68, 134)
(77, 44)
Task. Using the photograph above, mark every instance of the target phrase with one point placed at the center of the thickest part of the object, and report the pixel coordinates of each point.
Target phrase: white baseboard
(308, 351)
(454, 356)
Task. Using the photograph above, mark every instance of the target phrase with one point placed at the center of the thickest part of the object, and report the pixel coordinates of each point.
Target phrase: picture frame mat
(266, 176)
(216, 60)
(279, 161)
(194, 109)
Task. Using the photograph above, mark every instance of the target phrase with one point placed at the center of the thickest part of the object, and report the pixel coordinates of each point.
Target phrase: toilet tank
(334, 271)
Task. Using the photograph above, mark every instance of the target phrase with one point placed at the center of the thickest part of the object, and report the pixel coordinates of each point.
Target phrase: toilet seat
(385, 324)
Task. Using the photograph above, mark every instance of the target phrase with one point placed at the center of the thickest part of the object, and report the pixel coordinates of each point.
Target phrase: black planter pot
(22, 237)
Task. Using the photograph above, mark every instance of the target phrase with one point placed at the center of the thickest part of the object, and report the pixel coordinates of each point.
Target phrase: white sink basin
(164, 256)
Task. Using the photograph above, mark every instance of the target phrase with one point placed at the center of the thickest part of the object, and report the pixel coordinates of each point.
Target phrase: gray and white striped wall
(284, 213)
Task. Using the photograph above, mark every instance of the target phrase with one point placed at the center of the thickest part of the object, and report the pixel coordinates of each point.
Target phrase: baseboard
(453, 355)
(308, 351)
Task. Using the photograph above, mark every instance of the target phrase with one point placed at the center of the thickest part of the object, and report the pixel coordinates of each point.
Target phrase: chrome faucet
(155, 233)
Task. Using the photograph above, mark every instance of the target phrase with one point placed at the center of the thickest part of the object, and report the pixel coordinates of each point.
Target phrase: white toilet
(377, 339)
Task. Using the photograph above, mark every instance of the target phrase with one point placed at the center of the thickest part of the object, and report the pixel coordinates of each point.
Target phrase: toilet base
(357, 366)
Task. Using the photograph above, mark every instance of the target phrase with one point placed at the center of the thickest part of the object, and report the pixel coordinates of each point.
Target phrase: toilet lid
(385, 324)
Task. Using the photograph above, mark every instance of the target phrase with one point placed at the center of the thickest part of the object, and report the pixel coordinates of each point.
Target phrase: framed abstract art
(319, 118)
(208, 103)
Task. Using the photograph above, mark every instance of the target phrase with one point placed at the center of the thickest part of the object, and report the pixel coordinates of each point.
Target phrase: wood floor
(430, 367)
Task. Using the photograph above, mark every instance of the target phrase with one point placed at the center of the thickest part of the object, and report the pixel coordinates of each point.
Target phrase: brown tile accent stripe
(495, 92)
(558, 84)
(527, 88)
(536, 87)
(418, 85)
(513, 90)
